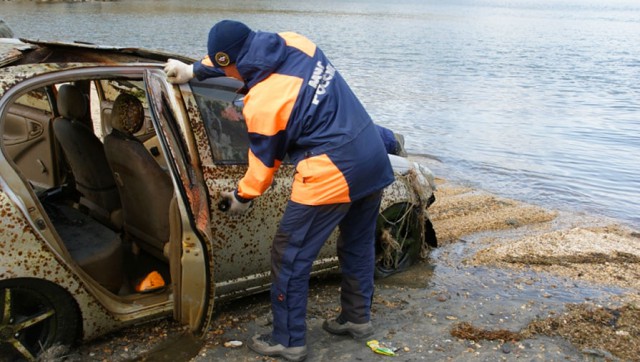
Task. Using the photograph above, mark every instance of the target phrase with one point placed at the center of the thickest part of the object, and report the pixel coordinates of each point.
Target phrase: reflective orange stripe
(257, 178)
(318, 182)
(268, 105)
(299, 42)
(207, 61)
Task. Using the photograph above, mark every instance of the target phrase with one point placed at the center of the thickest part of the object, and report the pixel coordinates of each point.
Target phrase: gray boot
(356, 330)
(264, 345)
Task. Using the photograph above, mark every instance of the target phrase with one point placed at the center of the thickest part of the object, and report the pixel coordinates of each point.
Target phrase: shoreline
(596, 258)
(579, 246)
(509, 281)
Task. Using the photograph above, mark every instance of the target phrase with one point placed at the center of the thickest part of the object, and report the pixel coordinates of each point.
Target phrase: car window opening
(221, 112)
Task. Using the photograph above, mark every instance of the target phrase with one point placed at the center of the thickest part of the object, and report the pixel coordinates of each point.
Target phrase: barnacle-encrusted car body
(105, 221)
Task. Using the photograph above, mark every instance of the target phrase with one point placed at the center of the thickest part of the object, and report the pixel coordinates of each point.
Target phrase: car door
(242, 243)
(242, 249)
(27, 138)
(190, 253)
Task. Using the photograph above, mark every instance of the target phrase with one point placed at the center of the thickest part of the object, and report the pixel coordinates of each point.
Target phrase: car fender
(414, 183)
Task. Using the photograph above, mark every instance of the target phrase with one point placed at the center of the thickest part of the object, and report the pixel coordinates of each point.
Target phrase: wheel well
(430, 236)
(398, 239)
(427, 234)
(396, 213)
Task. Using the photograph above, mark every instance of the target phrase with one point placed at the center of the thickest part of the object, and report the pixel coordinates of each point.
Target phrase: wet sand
(510, 281)
(581, 247)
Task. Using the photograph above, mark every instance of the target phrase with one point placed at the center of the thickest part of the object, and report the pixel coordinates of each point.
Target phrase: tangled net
(417, 221)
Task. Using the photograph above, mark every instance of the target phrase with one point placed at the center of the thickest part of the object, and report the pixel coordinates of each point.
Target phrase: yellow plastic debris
(379, 349)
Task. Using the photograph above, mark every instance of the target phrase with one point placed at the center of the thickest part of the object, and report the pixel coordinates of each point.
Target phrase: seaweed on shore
(596, 327)
(565, 260)
(588, 327)
(465, 330)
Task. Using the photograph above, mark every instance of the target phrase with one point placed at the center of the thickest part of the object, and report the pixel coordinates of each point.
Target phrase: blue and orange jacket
(298, 104)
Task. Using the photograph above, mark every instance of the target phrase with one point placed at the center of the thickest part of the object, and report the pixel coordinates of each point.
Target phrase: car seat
(145, 188)
(94, 247)
(86, 156)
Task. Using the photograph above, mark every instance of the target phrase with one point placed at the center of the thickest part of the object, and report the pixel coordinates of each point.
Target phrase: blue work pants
(302, 232)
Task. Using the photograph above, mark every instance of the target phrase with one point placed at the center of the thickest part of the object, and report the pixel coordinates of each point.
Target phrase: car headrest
(72, 104)
(127, 114)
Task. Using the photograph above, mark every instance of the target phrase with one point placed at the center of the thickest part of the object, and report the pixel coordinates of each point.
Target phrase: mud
(510, 281)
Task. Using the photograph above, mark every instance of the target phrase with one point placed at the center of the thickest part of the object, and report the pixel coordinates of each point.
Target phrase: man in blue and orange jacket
(298, 104)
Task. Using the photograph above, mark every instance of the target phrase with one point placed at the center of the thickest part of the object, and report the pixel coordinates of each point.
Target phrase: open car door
(190, 251)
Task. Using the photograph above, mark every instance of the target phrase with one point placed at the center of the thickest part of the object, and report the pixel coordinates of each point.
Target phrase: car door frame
(191, 252)
(194, 235)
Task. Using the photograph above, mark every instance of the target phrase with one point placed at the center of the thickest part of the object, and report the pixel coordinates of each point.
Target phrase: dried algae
(588, 327)
(606, 255)
(460, 211)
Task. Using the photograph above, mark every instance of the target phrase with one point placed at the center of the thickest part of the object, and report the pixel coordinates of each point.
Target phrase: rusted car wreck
(92, 208)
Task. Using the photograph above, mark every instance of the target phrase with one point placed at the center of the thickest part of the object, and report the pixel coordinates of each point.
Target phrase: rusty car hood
(12, 50)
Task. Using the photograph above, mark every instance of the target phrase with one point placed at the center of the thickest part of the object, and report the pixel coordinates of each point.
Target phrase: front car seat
(86, 156)
(145, 188)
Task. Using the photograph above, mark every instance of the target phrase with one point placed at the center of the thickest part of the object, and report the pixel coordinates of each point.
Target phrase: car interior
(91, 154)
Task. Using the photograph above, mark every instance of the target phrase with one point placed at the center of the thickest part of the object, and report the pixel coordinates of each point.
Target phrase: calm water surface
(533, 99)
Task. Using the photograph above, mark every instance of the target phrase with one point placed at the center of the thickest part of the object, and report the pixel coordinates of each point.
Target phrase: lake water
(538, 100)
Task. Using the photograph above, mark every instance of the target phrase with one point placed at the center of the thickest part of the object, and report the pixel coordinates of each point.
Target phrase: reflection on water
(533, 99)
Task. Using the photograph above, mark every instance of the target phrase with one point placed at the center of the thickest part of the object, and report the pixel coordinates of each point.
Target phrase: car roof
(23, 58)
(26, 51)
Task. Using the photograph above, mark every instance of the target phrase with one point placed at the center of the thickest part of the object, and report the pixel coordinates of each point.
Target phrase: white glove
(178, 72)
(231, 204)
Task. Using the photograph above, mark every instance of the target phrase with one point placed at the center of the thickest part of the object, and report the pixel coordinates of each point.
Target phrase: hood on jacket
(260, 56)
